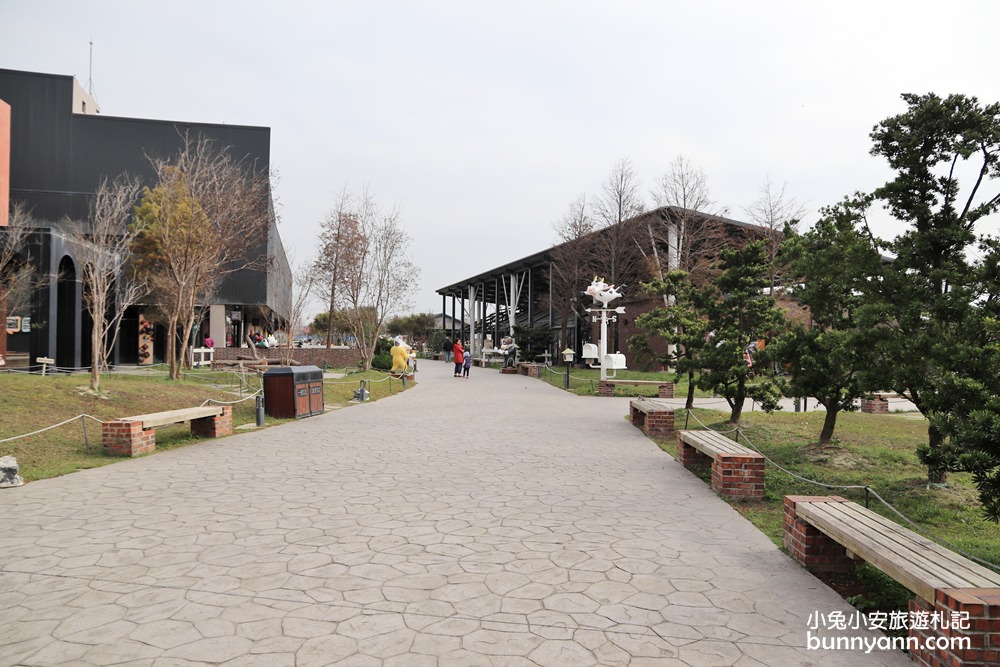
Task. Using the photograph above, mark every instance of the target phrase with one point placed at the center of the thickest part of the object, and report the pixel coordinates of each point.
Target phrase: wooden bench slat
(715, 443)
(154, 419)
(950, 564)
(648, 405)
(912, 546)
(916, 562)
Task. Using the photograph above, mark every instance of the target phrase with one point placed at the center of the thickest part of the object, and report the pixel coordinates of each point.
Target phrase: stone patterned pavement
(489, 521)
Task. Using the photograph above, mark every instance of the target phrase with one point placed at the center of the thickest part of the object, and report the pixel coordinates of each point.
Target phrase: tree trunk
(738, 400)
(95, 358)
(829, 423)
(172, 347)
(690, 397)
(934, 441)
(734, 416)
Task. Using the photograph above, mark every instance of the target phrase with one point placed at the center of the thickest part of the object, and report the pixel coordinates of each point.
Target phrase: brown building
(547, 289)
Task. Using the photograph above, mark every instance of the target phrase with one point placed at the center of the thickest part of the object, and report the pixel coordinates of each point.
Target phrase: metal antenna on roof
(90, 71)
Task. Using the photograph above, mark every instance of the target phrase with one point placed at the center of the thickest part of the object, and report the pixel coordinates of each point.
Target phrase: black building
(60, 151)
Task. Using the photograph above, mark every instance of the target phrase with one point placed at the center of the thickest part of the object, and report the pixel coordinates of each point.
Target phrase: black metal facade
(58, 159)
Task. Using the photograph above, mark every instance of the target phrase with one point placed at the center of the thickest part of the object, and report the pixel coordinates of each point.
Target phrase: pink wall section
(4, 162)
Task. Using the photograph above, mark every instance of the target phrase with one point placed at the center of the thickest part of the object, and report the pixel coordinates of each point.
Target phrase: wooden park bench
(833, 534)
(131, 436)
(737, 471)
(607, 387)
(652, 416)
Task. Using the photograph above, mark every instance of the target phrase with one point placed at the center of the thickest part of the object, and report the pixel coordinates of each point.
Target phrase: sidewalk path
(488, 521)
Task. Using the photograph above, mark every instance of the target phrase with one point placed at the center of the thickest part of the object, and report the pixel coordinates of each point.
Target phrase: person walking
(459, 358)
(448, 348)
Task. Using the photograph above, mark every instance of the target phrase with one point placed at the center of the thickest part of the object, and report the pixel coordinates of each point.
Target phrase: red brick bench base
(737, 472)
(833, 534)
(653, 417)
(132, 436)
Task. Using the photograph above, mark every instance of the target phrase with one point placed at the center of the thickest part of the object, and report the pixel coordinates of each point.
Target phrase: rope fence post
(86, 440)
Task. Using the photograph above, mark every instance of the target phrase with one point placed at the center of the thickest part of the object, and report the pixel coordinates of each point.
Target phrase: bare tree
(339, 239)
(617, 204)
(773, 211)
(16, 273)
(208, 216)
(376, 276)
(303, 285)
(690, 235)
(103, 246)
(570, 263)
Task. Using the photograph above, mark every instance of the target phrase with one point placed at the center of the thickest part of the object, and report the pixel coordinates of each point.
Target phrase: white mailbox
(590, 351)
(614, 362)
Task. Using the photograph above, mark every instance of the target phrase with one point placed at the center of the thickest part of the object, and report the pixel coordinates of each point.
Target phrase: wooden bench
(737, 472)
(530, 369)
(131, 436)
(607, 387)
(653, 417)
(833, 534)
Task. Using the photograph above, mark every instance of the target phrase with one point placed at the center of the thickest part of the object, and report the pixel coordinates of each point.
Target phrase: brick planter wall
(810, 547)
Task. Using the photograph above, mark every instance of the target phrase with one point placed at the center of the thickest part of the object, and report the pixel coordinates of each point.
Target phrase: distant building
(546, 289)
(59, 149)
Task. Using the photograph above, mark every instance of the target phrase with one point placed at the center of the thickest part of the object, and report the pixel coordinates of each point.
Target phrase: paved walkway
(489, 521)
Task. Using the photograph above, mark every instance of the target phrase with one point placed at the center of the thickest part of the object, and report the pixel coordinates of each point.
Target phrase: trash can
(293, 391)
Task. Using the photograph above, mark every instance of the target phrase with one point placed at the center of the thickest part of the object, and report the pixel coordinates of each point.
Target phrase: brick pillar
(605, 388)
(875, 406)
(689, 456)
(214, 427)
(981, 628)
(637, 417)
(659, 424)
(739, 476)
(665, 390)
(809, 546)
(127, 438)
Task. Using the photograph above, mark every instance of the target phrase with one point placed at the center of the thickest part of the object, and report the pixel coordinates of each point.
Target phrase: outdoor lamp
(567, 355)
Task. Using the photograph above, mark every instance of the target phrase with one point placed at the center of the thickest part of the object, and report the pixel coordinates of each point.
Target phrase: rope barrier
(856, 487)
(49, 428)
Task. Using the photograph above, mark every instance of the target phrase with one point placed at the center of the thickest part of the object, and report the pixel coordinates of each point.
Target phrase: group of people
(461, 354)
(260, 341)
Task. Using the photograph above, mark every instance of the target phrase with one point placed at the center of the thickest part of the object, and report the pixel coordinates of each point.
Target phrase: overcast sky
(483, 121)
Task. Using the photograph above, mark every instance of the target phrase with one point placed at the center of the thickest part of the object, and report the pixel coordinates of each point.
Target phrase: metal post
(260, 410)
(566, 383)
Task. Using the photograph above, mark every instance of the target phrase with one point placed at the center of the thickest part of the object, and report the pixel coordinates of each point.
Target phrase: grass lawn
(877, 451)
(29, 403)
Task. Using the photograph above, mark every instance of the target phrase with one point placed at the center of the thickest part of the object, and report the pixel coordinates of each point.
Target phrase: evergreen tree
(832, 358)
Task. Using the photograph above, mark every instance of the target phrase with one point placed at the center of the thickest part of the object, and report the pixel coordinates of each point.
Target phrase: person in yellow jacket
(400, 357)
